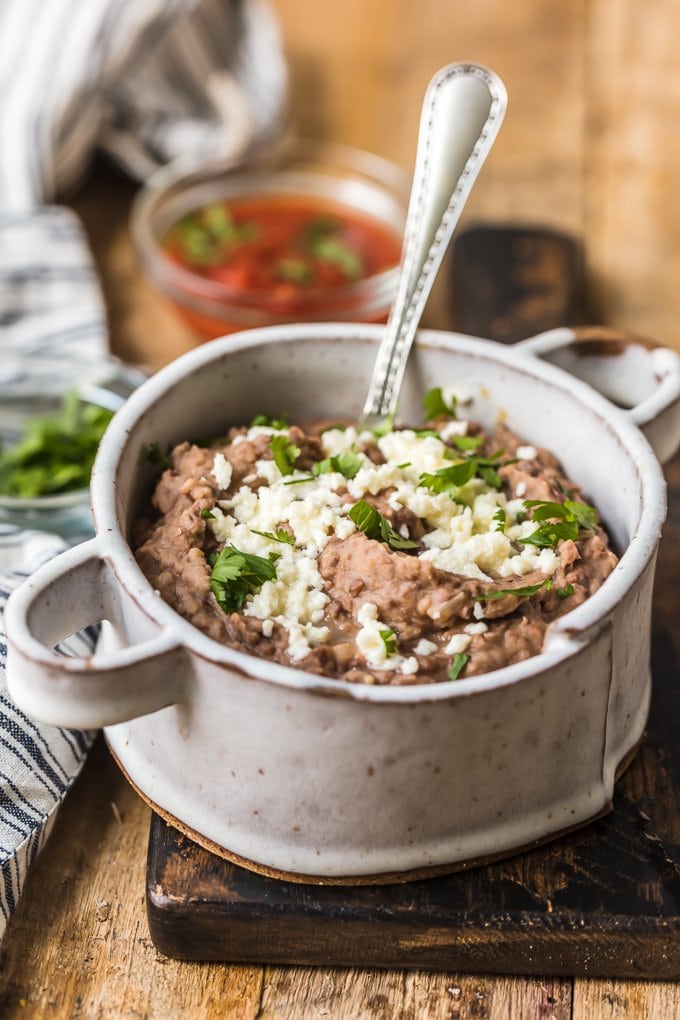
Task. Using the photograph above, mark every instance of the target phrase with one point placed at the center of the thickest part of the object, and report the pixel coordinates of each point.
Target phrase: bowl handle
(641, 378)
(73, 591)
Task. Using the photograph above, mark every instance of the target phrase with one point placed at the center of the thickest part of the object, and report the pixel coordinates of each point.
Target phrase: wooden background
(589, 146)
(590, 141)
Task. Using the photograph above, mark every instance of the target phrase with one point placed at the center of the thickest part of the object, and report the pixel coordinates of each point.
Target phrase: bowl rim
(566, 636)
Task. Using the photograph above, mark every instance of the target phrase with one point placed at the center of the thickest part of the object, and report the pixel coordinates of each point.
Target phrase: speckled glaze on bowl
(316, 779)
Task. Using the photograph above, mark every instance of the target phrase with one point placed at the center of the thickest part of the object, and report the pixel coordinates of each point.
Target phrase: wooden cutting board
(601, 902)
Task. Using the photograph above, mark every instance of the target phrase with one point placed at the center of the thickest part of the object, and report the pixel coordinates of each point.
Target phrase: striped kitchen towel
(37, 763)
(147, 81)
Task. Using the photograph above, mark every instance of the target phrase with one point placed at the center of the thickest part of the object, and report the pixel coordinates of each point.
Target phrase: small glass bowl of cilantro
(48, 443)
(310, 234)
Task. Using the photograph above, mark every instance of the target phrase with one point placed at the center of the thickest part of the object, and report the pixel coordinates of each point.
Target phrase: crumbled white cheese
(476, 628)
(526, 452)
(458, 643)
(521, 489)
(478, 611)
(370, 643)
(222, 471)
(457, 427)
(462, 536)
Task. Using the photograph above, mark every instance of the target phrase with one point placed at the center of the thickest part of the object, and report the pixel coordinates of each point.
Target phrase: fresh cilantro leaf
(285, 453)
(435, 406)
(550, 533)
(448, 479)
(374, 525)
(499, 517)
(587, 516)
(268, 422)
(207, 515)
(347, 464)
(55, 453)
(281, 536)
(235, 575)
(338, 253)
(565, 592)
(300, 480)
(294, 271)
(529, 589)
(386, 426)
(460, 661)
(389, 639)
(467, 443)
(431, 433)
(560, 521)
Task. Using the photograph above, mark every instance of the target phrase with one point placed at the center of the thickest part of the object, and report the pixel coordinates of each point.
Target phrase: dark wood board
(601, 902)
(511, 282)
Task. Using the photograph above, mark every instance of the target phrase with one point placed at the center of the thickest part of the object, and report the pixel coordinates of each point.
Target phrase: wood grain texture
(588, 147)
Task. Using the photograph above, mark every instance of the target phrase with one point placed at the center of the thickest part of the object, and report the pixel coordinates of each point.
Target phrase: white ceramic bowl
(320, 780)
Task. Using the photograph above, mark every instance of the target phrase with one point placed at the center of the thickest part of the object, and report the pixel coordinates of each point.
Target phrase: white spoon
(462, 111)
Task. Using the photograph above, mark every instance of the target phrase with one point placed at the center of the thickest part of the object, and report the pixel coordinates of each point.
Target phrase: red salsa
(282, 254)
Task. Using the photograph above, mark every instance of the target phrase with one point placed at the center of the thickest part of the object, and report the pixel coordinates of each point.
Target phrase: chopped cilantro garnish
(404, 464)
(386, 426)
(285, 453)
(236, 575)
(347, 464)
(565, 592)
(460, 661)
(450, 479)
(56, 452)
(559, 521)
(322, 238)
(528, 590)
(428, 433)
(209, 234)
(466, 443)
(374, 525)
(346, 259)
(268, 422)
(389, 639)
(294, 271)
(499, 517)
(281, 536)
(207, 515)
(435, 406)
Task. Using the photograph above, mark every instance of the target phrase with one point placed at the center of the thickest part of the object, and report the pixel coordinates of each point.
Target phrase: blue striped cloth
(147, 81)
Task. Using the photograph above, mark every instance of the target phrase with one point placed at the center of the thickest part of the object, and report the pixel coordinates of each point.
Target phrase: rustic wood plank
(300, 993)
(623, 1000)
(633, 202)
(78, 943)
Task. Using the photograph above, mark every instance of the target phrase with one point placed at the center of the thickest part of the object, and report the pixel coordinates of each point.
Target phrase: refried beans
(416, 556)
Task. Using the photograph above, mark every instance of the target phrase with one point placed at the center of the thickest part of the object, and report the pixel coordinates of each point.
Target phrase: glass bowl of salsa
(312, 234)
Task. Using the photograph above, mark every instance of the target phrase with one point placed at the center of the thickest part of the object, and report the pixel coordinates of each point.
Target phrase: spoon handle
(462, 112)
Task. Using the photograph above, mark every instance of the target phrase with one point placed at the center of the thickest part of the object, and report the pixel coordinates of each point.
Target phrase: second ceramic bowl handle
(64, 596)
(641, 378)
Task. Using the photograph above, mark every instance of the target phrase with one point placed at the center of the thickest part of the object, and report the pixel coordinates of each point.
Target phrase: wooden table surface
(78, 943)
